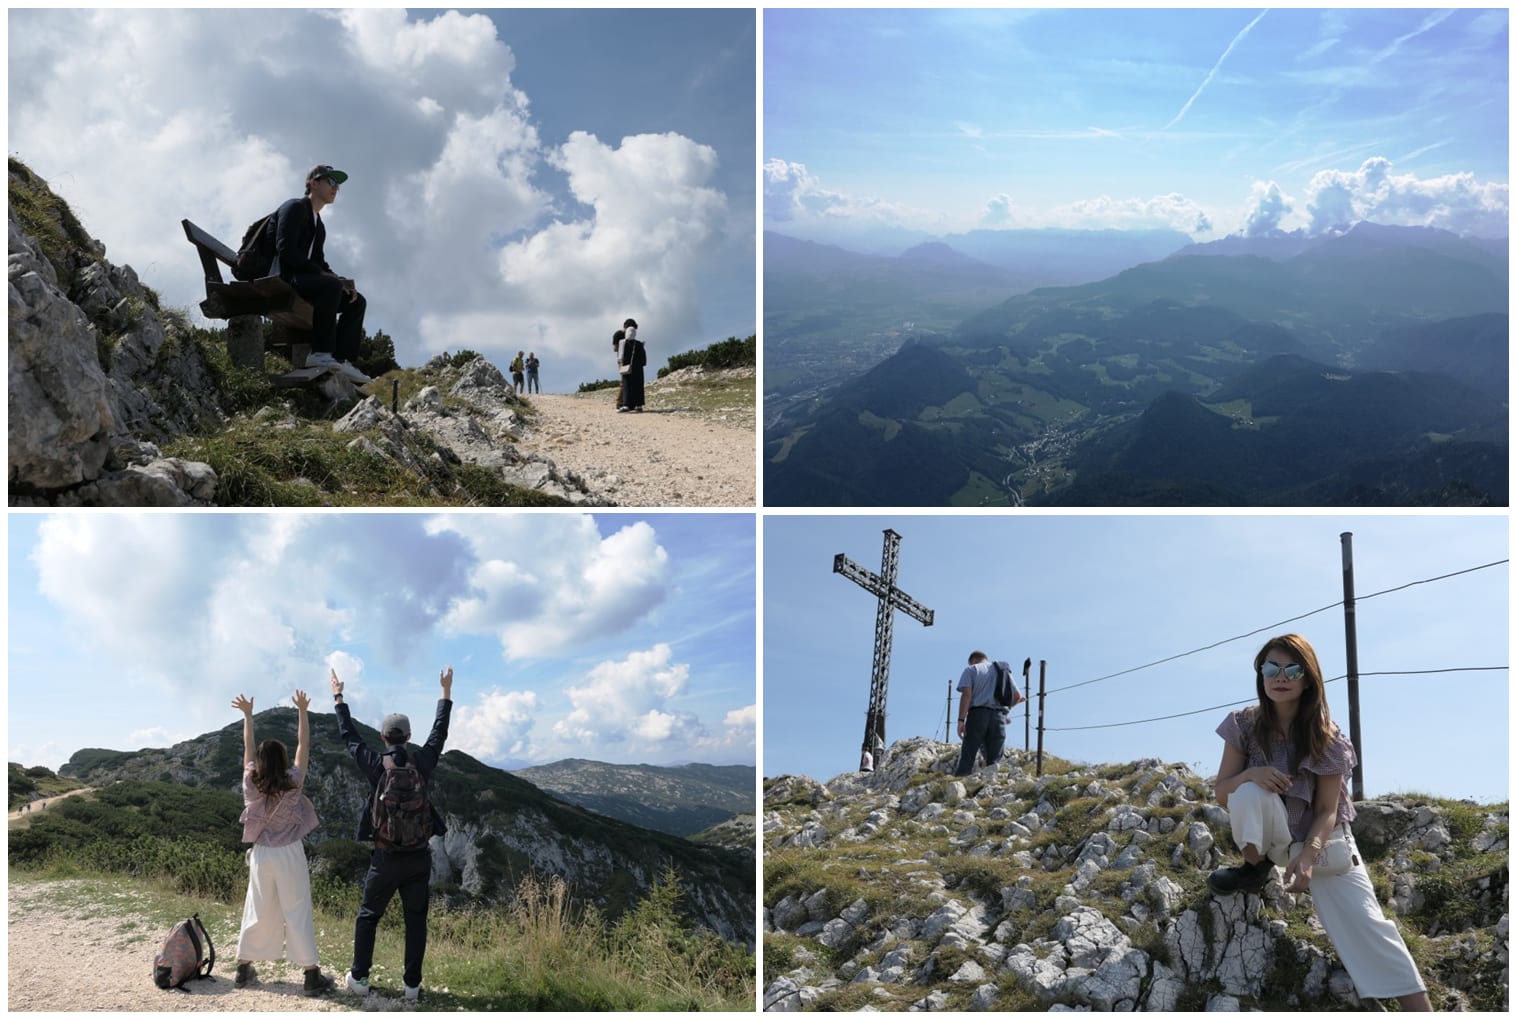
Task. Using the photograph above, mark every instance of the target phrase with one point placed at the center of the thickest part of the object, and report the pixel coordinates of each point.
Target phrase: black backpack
(402, 814)
(1006, 694)
(256, 256)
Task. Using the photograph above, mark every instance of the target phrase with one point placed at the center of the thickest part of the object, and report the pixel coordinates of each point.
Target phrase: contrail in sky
(1213, 72)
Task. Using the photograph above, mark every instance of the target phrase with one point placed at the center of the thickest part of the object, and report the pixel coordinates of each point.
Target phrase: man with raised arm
(401, 819)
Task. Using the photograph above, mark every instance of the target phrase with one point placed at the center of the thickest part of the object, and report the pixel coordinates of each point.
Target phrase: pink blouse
(1337, 760)
(277, 820)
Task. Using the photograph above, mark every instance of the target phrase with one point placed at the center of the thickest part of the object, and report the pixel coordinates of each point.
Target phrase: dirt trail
(676, 453)
(69, 951)
(41, 803)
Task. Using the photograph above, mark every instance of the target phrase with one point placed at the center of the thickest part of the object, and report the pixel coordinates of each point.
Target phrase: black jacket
(372, 762)
(296, 227)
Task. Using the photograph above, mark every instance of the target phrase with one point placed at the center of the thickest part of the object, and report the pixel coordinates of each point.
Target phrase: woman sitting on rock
(276, 816)
(1284, 783)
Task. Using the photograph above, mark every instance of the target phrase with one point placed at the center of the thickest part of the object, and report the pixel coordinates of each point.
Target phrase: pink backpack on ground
(187, 953)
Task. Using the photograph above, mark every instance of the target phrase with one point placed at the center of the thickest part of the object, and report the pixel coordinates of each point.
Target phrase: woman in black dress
(631, 361)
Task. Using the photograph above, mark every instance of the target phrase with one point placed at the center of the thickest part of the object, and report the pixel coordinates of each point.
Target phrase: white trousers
(278, 907)
(1368, 943)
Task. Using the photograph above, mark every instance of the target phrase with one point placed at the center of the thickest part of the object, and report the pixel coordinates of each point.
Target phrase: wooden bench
(244, 303)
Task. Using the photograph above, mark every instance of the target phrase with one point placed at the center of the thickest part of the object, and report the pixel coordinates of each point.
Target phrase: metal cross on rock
(891, 599)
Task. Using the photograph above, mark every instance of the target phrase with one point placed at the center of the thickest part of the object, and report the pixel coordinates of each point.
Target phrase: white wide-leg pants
(1368, 943)
(278, 907)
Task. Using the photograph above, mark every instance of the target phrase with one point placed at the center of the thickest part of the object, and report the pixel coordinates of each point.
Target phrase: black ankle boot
(245, 975)
(1241, 878)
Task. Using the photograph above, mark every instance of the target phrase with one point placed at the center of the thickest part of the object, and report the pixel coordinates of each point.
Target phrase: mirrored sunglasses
(1293, 671)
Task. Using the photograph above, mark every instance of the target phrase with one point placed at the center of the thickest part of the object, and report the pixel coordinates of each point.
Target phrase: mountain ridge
(500, 827)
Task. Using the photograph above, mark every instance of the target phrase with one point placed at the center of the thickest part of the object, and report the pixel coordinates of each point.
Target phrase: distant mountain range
(1366, 368)
(500, 827)
(682, 800)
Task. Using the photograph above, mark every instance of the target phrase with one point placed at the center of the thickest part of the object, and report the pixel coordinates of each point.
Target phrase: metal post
(1351, 654)
(1027, 706)
(948, 715)
(1042, 679)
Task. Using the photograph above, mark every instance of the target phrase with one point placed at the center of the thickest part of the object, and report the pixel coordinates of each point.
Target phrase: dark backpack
(402, 812)
(639, 355)
(256, 256)
(1006, 694)
(187, 953)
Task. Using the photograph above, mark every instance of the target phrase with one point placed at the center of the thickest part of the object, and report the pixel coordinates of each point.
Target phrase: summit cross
(891, 599)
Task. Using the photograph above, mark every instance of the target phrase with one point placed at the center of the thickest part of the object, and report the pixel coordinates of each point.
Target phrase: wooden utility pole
(891, 599)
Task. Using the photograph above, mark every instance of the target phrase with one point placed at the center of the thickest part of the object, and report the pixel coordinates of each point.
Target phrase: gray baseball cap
(395, 725)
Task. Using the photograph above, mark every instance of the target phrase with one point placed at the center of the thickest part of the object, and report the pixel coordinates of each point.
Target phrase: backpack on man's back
(402, 814)
(1006, 693)
(255, 257)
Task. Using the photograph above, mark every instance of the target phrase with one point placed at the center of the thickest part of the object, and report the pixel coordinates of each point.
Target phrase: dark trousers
(336, 322)
(408, 872)
(985, 729)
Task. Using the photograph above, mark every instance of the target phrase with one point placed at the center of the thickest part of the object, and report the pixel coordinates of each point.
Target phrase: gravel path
(72, 947)
(677, 453)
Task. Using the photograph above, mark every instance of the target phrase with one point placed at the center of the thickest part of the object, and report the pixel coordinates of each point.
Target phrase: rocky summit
(1085, 889)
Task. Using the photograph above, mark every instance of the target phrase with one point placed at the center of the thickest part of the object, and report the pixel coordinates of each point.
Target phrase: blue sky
(1093, 595)
(1211, 122)
(621, 638)
(519, 179)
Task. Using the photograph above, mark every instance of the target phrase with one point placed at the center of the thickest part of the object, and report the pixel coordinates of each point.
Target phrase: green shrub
(599, 384)
(726, 354)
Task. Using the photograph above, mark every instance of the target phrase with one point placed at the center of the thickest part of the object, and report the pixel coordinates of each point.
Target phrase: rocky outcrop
(1085, 889)
(475, 423)
(97, 375)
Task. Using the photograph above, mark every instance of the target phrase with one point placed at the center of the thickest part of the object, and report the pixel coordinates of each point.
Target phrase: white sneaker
(413, 992)
(356, 986)
(320, 359)
(354, 373)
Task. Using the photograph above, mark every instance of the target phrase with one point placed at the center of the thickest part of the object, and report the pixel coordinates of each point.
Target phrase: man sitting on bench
(337, 324)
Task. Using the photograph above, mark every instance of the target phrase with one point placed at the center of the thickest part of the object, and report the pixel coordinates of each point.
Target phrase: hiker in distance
(518, 367)
(276, 914)
(630, 362)
(336, 307)
(533, 363)
(1284, 783)
(401, 819)
(988, 693)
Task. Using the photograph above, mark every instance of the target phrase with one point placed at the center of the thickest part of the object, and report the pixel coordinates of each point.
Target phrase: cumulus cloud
(1270, 205)
(627, 700)
(998, 211)
(247, 602)
(498, 725)
(791, 192)
(1456, 202)
(539, 605)
(1172, 211)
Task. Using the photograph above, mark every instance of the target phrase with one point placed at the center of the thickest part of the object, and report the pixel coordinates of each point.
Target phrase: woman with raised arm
(1284, 783)
(276, 815)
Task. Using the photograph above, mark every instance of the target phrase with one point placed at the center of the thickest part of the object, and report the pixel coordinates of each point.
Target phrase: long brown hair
(1312, 730)
(271, 775)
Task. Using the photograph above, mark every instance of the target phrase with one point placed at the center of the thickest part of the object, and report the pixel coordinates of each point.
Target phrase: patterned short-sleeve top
(1337, 760)
(277, 820)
